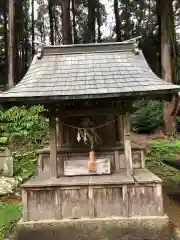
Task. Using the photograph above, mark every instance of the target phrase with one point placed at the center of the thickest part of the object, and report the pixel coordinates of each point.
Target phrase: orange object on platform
(92, 161)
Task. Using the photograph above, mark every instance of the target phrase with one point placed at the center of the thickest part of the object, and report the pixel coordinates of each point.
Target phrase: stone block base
(141, 228)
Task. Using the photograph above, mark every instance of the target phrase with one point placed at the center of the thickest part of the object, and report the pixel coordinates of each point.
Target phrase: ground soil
(172, 207)
(10, 200)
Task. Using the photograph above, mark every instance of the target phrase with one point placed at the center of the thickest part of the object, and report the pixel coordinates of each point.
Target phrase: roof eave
(35, 100)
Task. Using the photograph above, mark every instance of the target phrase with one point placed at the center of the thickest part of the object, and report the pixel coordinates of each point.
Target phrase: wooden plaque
(80, 167)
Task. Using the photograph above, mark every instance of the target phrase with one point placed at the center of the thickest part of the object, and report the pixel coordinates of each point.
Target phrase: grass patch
(164, 150)
(9, 215)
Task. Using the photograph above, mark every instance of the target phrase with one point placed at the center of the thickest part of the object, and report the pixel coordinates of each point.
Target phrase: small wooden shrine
(91, 181)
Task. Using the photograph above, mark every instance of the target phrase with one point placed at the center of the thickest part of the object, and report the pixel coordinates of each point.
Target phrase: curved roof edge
(87, 71)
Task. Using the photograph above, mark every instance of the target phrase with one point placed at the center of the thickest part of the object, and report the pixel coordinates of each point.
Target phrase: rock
(7, 185)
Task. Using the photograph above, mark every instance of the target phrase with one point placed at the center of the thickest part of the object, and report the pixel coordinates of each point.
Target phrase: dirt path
(172, 208)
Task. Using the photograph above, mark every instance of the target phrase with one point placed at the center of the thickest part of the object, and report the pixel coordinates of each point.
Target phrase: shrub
(25, 165)
(23, 124)
(148, 117)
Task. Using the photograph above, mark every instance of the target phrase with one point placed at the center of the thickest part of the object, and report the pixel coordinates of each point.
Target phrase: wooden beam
(65, 113)
(53, 144)
(92, 112)
(127, 143)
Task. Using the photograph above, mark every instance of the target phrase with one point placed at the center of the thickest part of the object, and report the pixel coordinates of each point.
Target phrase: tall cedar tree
(51, 21)
(118, 21)
(11, 44)
(75, 35)
(91, 21)
(66, 22)
(5, 14)
(32, 28)
(166, 61)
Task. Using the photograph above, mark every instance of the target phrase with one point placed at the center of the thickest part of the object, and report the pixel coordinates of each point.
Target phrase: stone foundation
(142, 228)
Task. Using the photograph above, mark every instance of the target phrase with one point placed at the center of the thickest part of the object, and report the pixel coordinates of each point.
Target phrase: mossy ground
(9, 215)
(161, 151)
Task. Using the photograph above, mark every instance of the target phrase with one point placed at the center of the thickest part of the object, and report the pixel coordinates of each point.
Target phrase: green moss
(164, 150)
(9, 215)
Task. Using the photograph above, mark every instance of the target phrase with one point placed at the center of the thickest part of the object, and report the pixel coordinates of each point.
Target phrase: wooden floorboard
(45, 181)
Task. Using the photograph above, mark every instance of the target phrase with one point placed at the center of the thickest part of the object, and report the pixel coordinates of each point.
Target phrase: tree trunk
(74, 22)
(166, 63)
(117, 20)
(26, 41)
(57, 33)
(66, 22)
(32, 28)
(91, 21)
(158, 12)
(51, 18)
(99, 21)
(11, 45)
(5, 37)
(174, 49)
(18, 38)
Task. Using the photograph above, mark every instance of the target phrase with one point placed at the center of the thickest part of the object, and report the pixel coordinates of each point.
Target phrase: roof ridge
(87, 48)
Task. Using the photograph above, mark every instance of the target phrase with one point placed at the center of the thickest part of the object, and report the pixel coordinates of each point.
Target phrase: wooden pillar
(60, 133)
(120, 129)
(53, 144)
(127, 143)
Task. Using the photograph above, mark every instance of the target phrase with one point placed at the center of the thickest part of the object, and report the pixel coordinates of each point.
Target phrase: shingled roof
(88, 71)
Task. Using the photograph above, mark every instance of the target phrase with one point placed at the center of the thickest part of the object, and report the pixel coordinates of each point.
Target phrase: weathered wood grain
(108, 202)
(57, 204)
(41, 205)
(80, 167)
(145, 176)
(91, 202)
(60, 132)
(117, 160)
(25, 205)
(122, 160)
(128, 156)
(142, 159)
(53, 145)
(127, 143)
(143, 201)
(159, 199)
(125, 202)
(46, 164)
(75, 203)
(44, 180)
(120, 130)
(60, 164)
